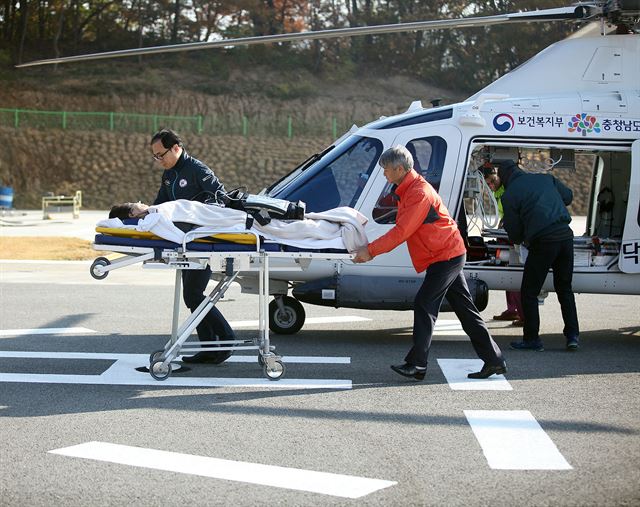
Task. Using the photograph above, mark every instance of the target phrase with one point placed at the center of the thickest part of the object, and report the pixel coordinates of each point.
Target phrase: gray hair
(397, 156)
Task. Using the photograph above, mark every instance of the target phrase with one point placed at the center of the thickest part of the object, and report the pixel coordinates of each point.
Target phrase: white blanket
(341, 228)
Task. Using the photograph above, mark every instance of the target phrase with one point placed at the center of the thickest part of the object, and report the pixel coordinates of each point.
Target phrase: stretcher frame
(229, 264)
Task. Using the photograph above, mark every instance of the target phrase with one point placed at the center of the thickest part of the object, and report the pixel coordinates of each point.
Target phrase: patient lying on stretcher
(341, 228)
(129, 210)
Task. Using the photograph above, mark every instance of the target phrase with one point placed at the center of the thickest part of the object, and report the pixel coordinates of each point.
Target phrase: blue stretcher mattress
(221, 246)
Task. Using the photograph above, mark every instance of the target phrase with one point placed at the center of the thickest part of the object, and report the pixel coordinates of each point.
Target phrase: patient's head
(129, 210)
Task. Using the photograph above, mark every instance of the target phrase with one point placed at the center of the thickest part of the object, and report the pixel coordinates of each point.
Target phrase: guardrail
(281, 126)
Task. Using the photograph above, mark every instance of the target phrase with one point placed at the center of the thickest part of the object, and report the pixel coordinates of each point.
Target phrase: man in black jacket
(185, 177)
(536, 216)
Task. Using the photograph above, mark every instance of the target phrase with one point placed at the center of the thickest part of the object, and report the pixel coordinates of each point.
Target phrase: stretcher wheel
(154, 356)
(100, 261)
(286, 320)
(275, 373)
(159, 371)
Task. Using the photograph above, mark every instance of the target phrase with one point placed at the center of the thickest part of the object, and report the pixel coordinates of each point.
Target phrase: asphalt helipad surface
(80, 425)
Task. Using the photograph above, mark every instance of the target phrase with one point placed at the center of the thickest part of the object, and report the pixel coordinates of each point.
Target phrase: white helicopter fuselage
(579, 98)
(575, 104)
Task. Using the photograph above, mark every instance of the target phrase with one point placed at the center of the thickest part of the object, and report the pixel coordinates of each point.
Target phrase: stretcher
(227, 255)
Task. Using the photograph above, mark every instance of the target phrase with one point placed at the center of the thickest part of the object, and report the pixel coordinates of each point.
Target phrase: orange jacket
(424, 223)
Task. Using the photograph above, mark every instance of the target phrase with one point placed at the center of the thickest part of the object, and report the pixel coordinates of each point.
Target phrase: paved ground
(30, 223)
(572, 419)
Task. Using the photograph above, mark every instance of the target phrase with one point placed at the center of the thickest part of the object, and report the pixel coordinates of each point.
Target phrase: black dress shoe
(410, 371)
(488, 370)
(208, 357)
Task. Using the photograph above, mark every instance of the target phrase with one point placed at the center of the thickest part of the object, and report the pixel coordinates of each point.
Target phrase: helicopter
(576, 103)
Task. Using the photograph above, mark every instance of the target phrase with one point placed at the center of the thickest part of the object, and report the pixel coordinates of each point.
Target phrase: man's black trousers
(214, 326)
(446, 279)
(557, 255)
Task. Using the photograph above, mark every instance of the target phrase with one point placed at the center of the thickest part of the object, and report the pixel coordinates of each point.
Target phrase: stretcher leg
(184, 332)
(208, 302)
(159, 368)
(176, 305)
(198, 313)
(273, 368)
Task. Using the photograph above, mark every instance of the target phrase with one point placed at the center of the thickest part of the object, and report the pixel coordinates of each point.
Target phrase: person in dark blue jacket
(185, 177)
(535, 215)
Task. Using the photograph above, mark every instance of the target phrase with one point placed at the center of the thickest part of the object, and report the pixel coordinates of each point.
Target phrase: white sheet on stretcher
(341, 228)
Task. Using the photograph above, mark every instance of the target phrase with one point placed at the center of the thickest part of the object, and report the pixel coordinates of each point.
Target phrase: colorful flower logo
(584, 124)
(503, 122)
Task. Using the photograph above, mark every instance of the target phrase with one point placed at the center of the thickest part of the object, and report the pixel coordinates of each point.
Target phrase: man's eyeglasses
(161, 155)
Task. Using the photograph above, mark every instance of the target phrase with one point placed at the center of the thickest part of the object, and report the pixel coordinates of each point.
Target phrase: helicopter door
(629, 261)
(435, 150)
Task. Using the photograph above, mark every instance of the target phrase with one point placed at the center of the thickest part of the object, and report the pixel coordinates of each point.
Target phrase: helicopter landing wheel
(286, 316)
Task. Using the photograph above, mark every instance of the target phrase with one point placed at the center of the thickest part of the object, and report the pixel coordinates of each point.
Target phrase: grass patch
(46, 248)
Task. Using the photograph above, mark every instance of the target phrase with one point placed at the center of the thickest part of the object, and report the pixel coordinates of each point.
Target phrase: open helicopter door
(629, 261)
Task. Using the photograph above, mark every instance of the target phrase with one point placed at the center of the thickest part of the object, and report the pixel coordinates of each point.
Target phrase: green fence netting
(278, 126)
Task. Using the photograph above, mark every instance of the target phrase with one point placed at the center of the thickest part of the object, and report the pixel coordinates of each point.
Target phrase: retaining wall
(111, 167)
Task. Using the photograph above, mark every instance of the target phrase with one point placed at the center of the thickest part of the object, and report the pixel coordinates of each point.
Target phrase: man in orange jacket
(435, 245)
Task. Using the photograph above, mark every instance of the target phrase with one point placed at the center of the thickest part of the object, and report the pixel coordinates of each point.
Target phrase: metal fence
(280, 126)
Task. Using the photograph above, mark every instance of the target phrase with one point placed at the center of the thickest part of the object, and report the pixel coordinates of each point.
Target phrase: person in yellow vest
(536, 216)
(514, 311)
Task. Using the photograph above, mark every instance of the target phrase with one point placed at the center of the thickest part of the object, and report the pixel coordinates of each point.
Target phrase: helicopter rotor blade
(579, 12)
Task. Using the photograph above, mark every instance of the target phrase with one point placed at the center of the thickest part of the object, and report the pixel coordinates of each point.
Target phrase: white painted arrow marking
(345, 486)
(123, 372)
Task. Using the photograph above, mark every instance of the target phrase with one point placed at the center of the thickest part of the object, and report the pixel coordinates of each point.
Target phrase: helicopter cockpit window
(428, 160)
(337, 179)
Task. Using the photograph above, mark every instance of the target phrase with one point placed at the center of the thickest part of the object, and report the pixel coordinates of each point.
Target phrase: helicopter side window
(428, 160)
(341, 179)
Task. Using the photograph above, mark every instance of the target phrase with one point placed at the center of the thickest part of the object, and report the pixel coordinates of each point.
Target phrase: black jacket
(534, 205)
(189, 179)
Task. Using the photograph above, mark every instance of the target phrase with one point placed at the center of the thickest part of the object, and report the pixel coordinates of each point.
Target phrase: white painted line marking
(46, 330)
(123, 372)
(144, 379)
(455, 371)
(41, 262)
(448, 324)
(345, 486)
(448, 328)
(294, 359)
(311, 320)
(144, 358)
(73, 355)
(513, 440)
